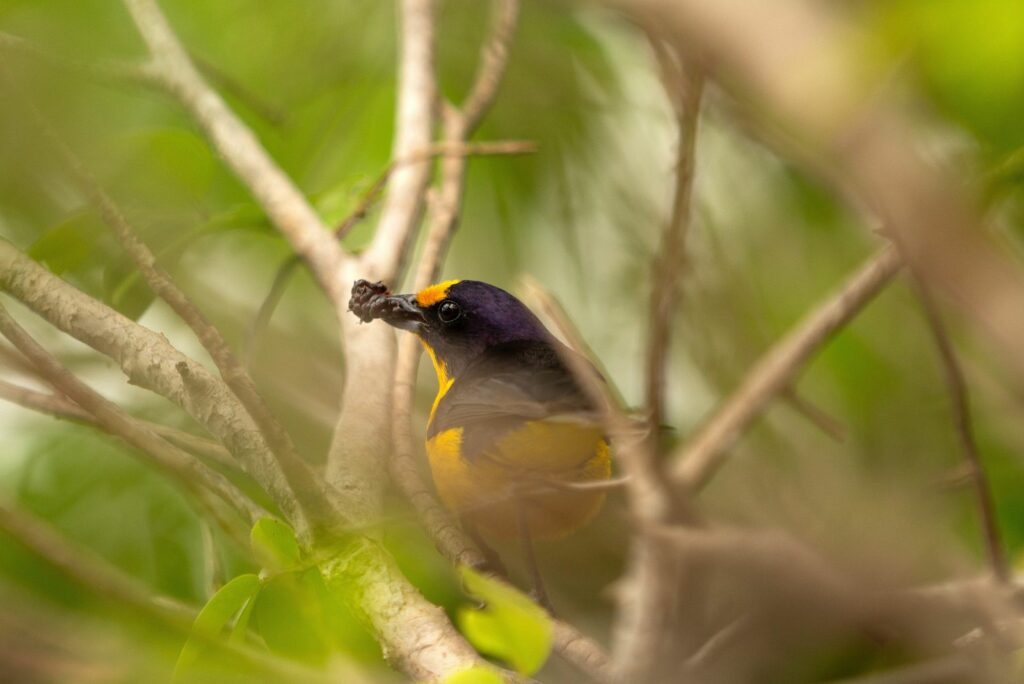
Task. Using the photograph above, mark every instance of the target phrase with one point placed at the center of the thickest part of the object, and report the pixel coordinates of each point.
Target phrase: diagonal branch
(286, 207)
(149, 361)
(185, 467)
(695, 462)
(961, 408)
(60, 407)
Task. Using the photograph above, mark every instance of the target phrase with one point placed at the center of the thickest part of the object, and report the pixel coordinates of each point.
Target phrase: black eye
(449, 311)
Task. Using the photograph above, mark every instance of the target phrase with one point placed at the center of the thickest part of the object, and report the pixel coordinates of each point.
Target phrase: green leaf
(215, 615)
(275, 545)
(289, 617)
(69, 245)
(474, 675)
(510, 627)
(125, 289)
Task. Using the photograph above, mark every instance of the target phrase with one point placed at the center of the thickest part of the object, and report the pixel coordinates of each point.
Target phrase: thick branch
(149, 361)
(414, 123)
(696, 461)
(112, 419)
(286, 207)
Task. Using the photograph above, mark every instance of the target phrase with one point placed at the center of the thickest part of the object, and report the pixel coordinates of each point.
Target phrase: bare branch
(697, 460)
(961, 408)
(362, 436)
(188, 469)
(60, 407)
(684, 85)
(149, 361)
(286, 207)
(417, 90)
(491, 69)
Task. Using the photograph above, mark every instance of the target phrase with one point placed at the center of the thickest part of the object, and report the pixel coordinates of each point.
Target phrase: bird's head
(457, 320)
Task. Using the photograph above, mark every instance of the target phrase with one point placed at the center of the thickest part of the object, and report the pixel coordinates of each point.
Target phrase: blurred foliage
(316, 82)
(510, 626)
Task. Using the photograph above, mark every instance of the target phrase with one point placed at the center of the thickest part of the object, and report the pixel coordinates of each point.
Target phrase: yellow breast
(527, 467)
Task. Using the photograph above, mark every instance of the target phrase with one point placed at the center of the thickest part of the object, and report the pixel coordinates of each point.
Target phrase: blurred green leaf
(971, 56)
(124, 289)
(474, 675)
(70, 245)
(275, 545)
(290, 617)
(510, 627)
(215, 615)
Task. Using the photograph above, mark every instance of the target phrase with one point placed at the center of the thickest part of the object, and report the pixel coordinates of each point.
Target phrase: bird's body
(514, 431)
(510, 432)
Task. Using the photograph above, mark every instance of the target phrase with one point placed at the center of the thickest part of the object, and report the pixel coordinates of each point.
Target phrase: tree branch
(961, 408)
(684, 86)
(149, 361)
(284, 205)
(189, 470)
(59, 407)
(696, 461)
(414, 123)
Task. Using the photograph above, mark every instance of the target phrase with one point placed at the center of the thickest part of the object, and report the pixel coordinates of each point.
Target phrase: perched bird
(511, 434)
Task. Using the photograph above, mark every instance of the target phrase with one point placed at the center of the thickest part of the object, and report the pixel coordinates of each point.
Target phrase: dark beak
(372, 300)
(402, 311)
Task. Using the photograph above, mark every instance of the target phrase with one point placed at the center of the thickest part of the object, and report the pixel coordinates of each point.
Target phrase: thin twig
(251, 100)
(114, 420)
(444, 148)
(961, 408)
(60, 407)
(284, 205)
(108, 70)
(817, 416)
(696, 461)
(684, 86)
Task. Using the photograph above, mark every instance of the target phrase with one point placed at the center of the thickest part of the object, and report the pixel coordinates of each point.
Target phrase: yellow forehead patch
(429, 296)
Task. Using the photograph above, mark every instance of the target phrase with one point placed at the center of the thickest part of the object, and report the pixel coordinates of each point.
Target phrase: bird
(511, 435)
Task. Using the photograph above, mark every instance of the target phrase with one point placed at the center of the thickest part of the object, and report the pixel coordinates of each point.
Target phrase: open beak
(372, 300)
